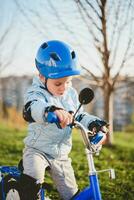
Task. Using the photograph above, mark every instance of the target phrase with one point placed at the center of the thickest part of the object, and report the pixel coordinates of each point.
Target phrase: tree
(6, 58)
(110, 24)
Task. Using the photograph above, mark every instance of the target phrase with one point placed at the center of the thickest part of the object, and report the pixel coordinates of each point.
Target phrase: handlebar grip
(98, 138)
(52, 118)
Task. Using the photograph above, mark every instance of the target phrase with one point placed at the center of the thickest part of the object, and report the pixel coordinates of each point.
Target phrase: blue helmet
(55, 59)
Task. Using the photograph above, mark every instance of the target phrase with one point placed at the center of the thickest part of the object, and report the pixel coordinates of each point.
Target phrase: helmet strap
(46, 84)
(42, 80)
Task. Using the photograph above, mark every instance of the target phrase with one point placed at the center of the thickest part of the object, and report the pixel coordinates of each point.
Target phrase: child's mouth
(61, 93)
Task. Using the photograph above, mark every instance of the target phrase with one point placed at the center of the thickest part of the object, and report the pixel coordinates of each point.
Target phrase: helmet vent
(54, 56)
(73, 54)
(44, 45)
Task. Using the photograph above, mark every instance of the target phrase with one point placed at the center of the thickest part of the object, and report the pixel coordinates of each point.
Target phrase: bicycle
(9, 182)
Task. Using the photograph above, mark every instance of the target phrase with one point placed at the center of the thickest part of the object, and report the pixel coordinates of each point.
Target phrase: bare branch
(130, 56)
(85, 21)
(4, 63)
(120, 32)
(93, 8)
(38, 17)
(117, 12)
(99, 82)
(122, 63)
(66, 27)
(2, 38)
(110, 8)
(105, 44)
(126, 22)
(6, 32)
(59, 19)
(95, 39)
(88, 16)
(98, 3)
(28, 18)
(9, 61)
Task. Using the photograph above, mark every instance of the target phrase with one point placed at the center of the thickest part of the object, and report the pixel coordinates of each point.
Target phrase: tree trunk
(108, 111)
(3, 106)
(4, 110)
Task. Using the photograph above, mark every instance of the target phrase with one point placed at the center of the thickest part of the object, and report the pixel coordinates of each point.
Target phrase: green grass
(120, 157)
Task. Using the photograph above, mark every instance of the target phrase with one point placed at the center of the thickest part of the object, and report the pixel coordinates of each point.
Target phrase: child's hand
(98, 125)
(65, 117)
(105, 129)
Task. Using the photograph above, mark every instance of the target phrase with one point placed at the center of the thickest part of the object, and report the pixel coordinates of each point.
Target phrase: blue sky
(37, 21)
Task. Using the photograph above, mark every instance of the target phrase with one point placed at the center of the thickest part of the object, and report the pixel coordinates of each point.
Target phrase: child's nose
(63, 87)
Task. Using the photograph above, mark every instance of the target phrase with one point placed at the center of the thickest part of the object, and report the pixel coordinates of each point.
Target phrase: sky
(33, 22)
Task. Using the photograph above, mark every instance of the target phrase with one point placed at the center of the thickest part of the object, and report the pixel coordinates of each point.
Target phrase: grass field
(120, 157)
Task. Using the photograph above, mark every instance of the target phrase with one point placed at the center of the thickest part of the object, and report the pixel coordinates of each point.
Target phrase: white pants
(61, 171)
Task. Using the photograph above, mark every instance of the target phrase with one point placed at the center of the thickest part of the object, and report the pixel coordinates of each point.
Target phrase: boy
(46, 145)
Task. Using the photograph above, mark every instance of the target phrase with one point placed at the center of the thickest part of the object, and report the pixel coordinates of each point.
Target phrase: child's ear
(42, 78)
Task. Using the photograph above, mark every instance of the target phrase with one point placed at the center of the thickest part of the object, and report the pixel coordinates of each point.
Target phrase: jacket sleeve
(86, 119)
(37, 104)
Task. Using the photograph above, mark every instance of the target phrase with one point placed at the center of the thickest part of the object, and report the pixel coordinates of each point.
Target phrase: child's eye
(68, 82)
(58, 84)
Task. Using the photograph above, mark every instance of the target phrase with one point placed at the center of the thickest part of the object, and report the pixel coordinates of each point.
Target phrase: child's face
(58, 86)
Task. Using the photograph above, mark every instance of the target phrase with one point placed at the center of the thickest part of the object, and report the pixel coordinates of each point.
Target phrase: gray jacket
(43, 136)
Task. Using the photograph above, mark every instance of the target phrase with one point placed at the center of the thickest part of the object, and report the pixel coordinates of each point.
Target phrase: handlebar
(91, 144)
(52, 118)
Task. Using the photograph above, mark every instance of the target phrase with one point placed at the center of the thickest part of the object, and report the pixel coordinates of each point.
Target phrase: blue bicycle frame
(93, 191)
